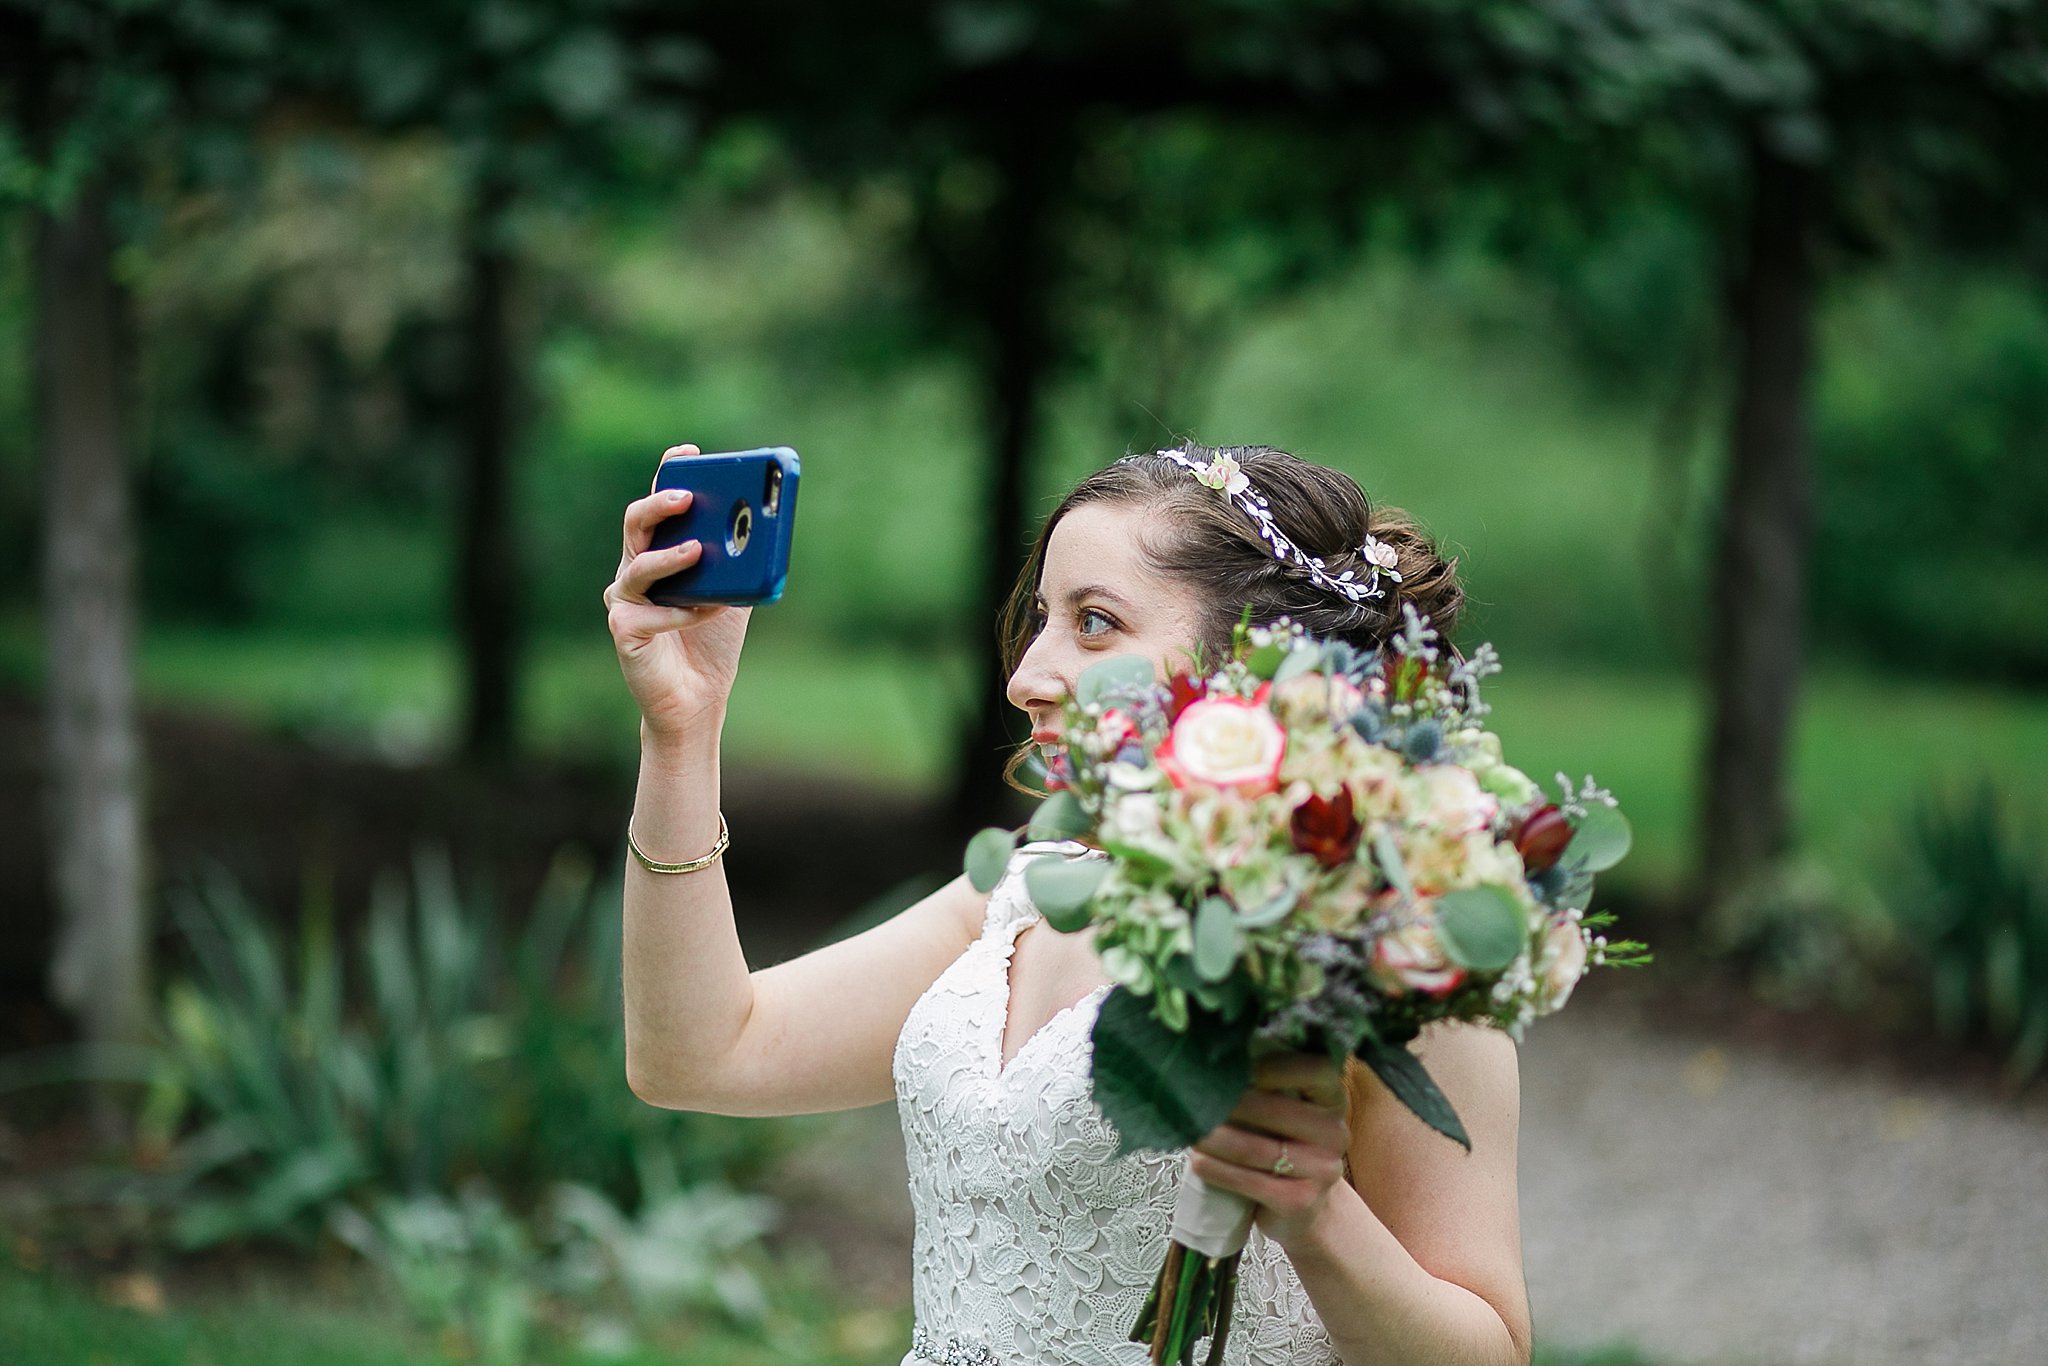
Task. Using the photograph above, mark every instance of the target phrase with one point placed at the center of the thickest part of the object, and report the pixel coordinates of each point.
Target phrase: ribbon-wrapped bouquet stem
(1311, 848)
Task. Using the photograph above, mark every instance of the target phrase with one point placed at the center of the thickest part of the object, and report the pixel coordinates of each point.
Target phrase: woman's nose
(1037, 684)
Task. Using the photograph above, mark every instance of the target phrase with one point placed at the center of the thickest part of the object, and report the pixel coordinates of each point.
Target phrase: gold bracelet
(695, 865)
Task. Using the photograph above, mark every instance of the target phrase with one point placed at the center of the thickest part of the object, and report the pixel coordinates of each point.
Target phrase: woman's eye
(1094, 618)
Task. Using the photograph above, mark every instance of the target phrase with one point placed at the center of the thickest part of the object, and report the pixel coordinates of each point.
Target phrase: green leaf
(1136, 859)
(1297, 663)
(1162, 1090)
(988, 854)
(1388, 856)
(1265, 661)
(1216, 939)
(1060, 817)
(1482, 928)
(1601, 838)
(1412, 1086)
(1117, 674)
(1061, 888)
(1271, 911)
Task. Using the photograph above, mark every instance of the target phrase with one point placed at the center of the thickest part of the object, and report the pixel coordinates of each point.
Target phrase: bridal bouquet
(1311, 848)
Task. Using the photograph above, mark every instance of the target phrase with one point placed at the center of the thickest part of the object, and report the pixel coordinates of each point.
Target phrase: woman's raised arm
(702, 1032)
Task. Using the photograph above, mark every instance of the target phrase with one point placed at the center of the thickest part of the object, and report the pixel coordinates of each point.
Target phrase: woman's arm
(1417, 1259)
(812, 1034)
(703, 1033)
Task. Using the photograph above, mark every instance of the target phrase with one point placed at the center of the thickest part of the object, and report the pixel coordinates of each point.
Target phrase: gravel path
(1719, 1204)
(1710, 1204)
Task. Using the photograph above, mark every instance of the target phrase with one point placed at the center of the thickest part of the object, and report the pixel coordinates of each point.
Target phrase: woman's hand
(1296, 1099)
(679, 662)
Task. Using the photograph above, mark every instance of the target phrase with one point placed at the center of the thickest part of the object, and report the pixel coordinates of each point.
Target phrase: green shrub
(288, 1084)
(1972, 904)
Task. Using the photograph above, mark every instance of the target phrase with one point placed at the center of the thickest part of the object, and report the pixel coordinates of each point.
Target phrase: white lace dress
(1035, 1244)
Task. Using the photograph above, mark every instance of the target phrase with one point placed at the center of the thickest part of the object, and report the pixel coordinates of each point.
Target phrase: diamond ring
(1282, 1165)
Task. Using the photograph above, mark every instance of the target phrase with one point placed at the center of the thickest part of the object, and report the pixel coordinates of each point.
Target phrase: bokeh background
(334, 338)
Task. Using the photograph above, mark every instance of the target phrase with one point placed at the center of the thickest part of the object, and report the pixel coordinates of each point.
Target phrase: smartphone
(744, 511)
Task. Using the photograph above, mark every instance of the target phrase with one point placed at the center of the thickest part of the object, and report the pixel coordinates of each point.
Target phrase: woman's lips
(1045, 737)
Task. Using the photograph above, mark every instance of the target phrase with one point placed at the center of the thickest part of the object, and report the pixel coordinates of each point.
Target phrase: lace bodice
(1035, 1244)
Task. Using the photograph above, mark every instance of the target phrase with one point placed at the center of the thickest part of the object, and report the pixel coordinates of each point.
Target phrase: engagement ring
(1282, 1166)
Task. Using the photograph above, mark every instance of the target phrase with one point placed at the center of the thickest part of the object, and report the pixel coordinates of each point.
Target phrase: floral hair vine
(1227, 477)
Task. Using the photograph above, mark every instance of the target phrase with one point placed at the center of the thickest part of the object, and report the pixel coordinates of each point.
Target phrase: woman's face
(1097, 598)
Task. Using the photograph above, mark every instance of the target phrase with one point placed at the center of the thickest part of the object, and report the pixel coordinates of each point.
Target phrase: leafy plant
(1972, 901)
(294, 1079)
(464, 1265)
(469, 1268)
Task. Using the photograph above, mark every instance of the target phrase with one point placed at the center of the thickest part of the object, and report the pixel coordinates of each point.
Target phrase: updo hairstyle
(1197, 535)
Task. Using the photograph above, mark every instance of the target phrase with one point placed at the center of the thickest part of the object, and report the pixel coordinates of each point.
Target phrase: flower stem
(1226, 1299)
(1169, 1287)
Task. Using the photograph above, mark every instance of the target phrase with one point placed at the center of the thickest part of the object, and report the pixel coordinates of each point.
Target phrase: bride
(1376, 1240)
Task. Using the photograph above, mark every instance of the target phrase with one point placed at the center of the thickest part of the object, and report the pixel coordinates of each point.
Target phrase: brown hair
(1205, 539)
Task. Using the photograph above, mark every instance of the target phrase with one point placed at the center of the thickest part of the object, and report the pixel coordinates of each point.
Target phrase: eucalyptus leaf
(1061, 888)
(1482, 928)
(988, 854)
(1265, 660)
(1388, 856)
(1405, 1076)
(1600, 838)
(1271, 911)
(1162, 1090)
(1060, 817)
(1216, 939)
(1297, 663)
(1137, 859)
(1117, 674)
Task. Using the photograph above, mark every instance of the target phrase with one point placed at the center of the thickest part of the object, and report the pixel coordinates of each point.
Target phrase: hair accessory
(1227, 477)
(695, 865)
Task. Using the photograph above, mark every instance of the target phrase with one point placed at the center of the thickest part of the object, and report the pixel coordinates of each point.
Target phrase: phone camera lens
(742, 530)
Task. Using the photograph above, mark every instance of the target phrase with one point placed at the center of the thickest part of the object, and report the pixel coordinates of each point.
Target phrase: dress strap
(1009, 905)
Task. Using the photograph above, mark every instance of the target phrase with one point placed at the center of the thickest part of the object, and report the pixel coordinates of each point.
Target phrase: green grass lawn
(51, 1321)
(46, 1321)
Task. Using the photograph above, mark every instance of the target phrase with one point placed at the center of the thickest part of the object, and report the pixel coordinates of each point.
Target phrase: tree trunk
(1758, 586)
(1015, 281)
(487, 571)
(99, 969)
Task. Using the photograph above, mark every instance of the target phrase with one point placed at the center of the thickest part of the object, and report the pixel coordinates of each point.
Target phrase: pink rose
(1224, 742)
(1411, 958)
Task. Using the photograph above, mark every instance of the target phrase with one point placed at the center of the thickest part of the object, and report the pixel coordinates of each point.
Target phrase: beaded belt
(951, 1352)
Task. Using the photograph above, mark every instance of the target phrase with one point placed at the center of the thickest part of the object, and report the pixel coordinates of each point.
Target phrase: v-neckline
(1005, 960)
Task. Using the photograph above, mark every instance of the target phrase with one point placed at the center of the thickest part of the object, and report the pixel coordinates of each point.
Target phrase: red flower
(1326, 828)
(1186, 688)
(1540, 837)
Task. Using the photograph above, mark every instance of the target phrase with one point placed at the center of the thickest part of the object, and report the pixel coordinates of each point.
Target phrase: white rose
(1224, 742)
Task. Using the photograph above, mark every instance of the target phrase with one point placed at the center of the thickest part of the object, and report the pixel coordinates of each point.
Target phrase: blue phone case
(744, 511)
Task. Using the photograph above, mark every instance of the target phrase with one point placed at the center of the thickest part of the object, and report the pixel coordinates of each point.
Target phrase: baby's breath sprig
(1573, 803)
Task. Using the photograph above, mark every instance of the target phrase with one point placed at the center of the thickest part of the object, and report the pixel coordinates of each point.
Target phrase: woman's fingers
(1260, 1152)
(643, 515)
(1290, 1117)
(633, 623)
(642, 571)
